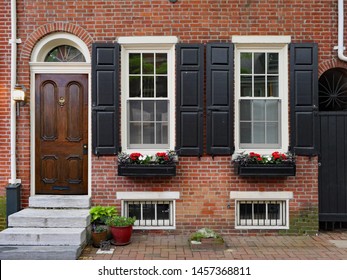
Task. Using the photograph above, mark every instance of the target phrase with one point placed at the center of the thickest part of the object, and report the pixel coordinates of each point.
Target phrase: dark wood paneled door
(61, 134)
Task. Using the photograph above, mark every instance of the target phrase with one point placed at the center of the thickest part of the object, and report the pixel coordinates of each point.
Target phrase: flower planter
(98, 237)
(142, 170)
(121, 235)
(275, 170)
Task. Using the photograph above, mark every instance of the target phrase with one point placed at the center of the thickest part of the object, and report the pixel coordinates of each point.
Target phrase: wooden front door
(61, 134)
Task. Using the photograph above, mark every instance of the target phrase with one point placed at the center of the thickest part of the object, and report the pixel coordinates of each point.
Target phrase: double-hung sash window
(148, 96)
(261, 75)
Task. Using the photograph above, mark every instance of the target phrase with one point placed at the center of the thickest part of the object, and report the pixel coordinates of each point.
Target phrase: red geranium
(135, 156)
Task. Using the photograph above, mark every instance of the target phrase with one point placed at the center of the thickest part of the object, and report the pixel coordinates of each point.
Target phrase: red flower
(135, 156)
(161, 154)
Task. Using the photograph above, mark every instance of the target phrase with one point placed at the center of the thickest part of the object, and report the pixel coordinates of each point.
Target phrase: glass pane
(148, 111)
(162, 133)
(246, 63)
(148, 63)
(161, 86)
(272, 109)
(148, 211)
(245, 132)
(134, 211)
(134, 86)
(161, 63)
(163, 211)
(65, 53)
(246, 86)
(148, 87)
(272, 86)
(148, 133)
(259, 133)
(245, 211)
(259, 86)
(135, 133)
(134, 63)
(135, 110)
(162, 111)
(259, 63)
(259, 110)
(272, 133)
(272, 63)
(245, 110)
(259, 211)
(273, 211)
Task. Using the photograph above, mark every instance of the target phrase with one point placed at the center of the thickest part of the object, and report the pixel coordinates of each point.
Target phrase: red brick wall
(204, 184)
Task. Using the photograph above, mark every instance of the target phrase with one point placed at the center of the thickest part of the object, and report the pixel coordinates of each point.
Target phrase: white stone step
(40, 252)
(43, 236)
(63, 218)
(60, 201)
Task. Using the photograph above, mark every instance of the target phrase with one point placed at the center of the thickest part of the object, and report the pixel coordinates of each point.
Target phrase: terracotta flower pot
(98, 237)
(121, 235)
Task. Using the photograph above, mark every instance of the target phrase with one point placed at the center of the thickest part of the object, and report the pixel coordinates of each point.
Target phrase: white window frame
(278, 44)
(154, 197)
(262, 197)
(147, 44)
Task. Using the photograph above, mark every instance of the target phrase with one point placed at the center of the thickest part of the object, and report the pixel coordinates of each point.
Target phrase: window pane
(134, 86)
(134, 63)
(148, 133)
(161, 63)
(246, 132)
(259, 86)
(273, 211)
(272, 86)
(148, 63)
(135, 211)
(245, 211)
(259, 211)
(161, 84)
(148, 86)
(163, 211)
(162, 133)
(246, 63)
(259, 132)
(259, 63)
(259, 110)
(272, 109)
(272, 63)
(162, 110)
(148, 211)
(148, 111)
(272, 133)
(245, 110)
(135, 110)
(246, 86)
(135, 133)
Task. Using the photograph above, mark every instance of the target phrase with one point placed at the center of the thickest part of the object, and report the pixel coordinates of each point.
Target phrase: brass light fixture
(18, 96)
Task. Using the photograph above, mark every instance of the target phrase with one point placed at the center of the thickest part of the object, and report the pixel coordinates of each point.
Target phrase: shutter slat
(220, 97)
(189, 102)
(105, 95)
(304, 97)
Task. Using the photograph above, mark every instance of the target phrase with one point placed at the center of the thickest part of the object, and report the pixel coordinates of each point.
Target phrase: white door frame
(38, 66)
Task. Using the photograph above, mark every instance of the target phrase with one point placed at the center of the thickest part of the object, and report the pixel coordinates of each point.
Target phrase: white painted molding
(261, 39)
(148, 195)
(261, 195)
(140, 40)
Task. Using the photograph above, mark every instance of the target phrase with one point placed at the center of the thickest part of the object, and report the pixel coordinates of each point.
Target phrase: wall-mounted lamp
(173, 1)
(18, 95)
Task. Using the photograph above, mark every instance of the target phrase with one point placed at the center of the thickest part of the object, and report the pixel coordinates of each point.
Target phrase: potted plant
(137, 164)
(276, 164)
(99, 215)
(121, 229)
(99, 234)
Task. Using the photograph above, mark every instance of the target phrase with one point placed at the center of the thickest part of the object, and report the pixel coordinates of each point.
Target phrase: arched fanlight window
(64, 53)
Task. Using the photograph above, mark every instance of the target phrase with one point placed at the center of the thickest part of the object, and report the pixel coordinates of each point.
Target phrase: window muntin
(150, 214)
(261, 213)
(64, 53)
(259, 100)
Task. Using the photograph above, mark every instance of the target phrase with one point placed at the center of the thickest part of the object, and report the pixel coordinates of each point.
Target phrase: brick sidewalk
(325, 246)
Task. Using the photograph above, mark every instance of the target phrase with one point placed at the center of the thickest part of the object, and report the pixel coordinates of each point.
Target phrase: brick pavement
(324, 246)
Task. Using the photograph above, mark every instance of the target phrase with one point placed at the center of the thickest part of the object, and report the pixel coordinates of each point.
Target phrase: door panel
(61, 113)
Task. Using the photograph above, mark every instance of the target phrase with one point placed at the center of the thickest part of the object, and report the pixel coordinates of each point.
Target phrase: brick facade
(204, 184)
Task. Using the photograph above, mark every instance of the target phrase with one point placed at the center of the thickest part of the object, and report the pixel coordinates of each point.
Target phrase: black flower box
(147, 170)
(274, 170)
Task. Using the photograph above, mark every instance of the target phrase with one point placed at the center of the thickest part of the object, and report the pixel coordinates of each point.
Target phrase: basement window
(261, 210)
(153, 210)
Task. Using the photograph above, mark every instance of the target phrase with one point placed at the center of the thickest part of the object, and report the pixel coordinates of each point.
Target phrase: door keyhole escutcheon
(61, 101)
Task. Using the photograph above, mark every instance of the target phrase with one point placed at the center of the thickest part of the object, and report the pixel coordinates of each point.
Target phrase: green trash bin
(13, 203)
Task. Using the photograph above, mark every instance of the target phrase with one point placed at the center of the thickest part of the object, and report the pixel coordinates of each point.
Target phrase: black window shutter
(220, 96)
(189, 99)
(105, 98)
(304, 97)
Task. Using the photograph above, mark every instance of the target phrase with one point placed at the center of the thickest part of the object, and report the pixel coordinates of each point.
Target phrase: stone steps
(53, 227)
